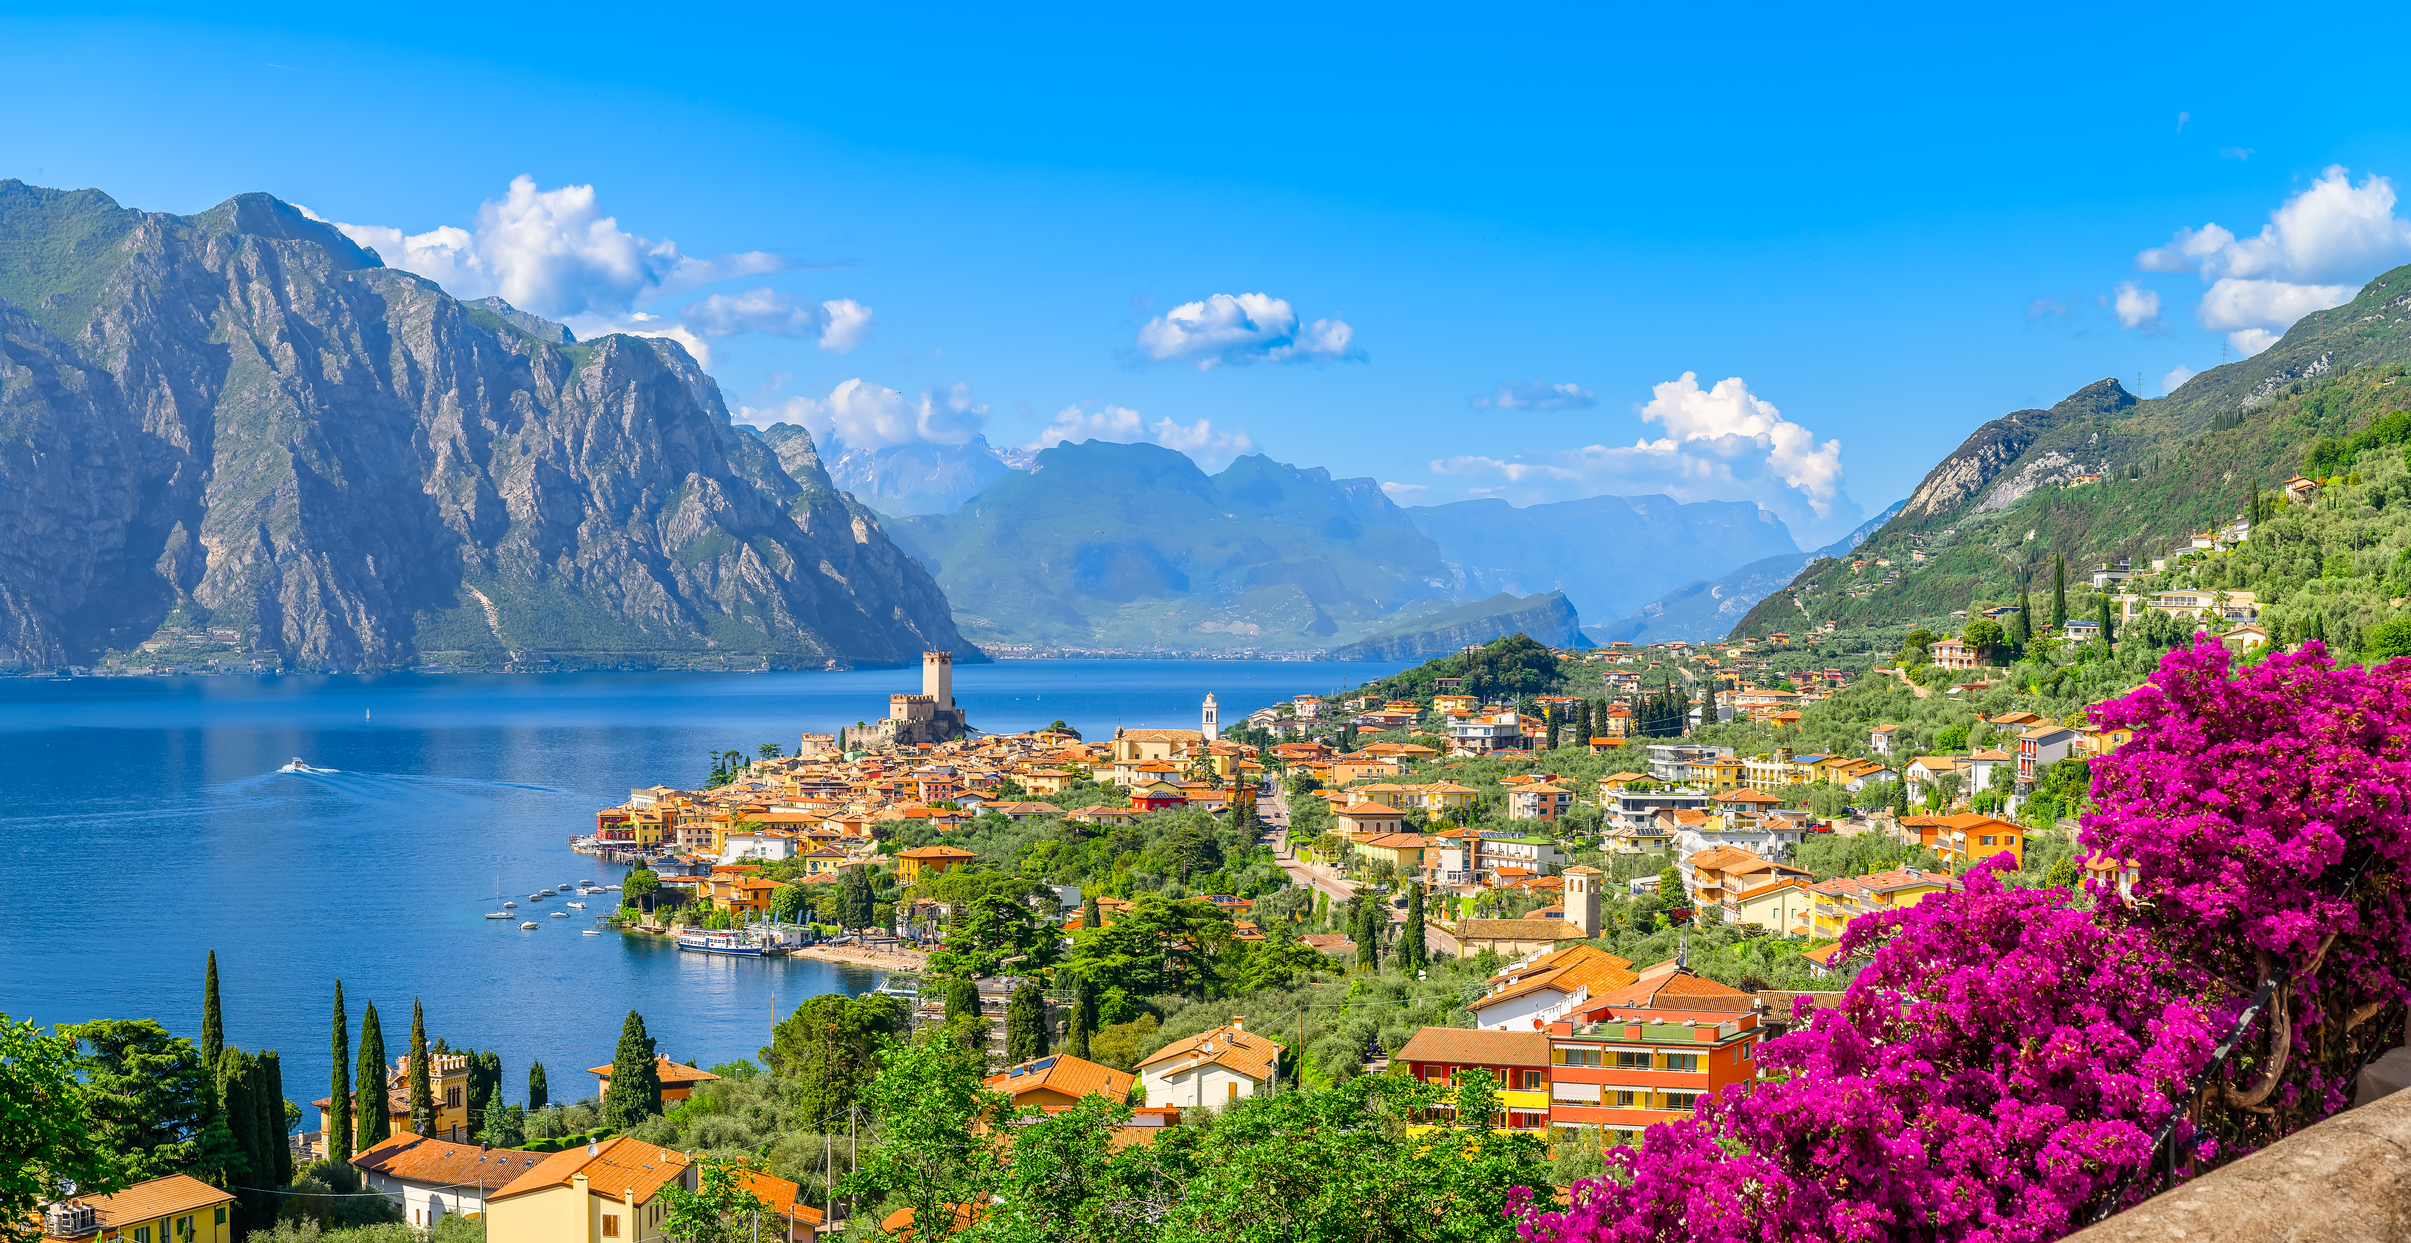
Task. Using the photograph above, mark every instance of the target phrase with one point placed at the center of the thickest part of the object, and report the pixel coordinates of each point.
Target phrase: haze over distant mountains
(241, 419)
(1135, 546)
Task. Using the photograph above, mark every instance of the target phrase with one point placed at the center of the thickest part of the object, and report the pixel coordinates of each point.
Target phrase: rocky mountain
(1547, 618)
(242, 420)
(1133, 546)
(902, 481)
(2103, 475)
(1610, 554)
(1709, 609)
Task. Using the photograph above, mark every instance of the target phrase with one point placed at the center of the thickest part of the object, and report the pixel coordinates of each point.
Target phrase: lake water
(145, 824)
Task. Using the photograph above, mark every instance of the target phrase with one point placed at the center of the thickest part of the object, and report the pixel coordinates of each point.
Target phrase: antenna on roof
(1682, 951)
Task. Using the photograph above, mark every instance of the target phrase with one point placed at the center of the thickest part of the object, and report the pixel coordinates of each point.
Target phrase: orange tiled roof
(1243, 1051)
(1073, 1076)
(158, 1197)
(613, 1168)
(418, 1159)
(671, 1072)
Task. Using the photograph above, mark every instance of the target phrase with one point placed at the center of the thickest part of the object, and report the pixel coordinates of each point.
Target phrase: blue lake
(146, 824)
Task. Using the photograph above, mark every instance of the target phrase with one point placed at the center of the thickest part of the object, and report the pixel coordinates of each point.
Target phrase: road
(1922, 692)
(1300, 874)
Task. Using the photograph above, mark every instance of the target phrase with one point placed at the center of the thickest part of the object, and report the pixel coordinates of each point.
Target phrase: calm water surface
(145, 824)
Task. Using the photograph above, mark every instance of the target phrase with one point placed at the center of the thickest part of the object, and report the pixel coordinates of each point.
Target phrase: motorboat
(538, 897)
(295, 765)
(565, 886)
(585, 882)
(510, 906)
(560, 914)
(611, 888)
(592, 932)
(545, 893)
(579, 906)
(530, 926)
(498, 914)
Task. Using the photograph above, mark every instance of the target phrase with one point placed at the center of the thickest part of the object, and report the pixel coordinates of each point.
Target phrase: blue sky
(1504, 238)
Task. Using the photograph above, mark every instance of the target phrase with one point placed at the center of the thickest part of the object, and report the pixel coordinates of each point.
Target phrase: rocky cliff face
(240, 418)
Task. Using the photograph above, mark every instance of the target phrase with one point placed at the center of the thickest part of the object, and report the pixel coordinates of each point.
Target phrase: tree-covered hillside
(1998, 511)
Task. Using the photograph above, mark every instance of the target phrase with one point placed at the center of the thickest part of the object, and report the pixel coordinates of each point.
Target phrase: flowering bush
(2268, 818)
(1999, 1067)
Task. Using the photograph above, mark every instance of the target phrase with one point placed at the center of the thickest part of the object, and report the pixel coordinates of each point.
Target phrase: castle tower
(1582, 899)
(937, 678)
(1212, 721)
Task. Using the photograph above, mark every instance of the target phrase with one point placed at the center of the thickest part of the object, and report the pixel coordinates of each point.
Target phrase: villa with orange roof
(609, 1190)
(175, 1209)
(431, 1179)
(1214, 1068)
(1060, 1079)
(677, 1082)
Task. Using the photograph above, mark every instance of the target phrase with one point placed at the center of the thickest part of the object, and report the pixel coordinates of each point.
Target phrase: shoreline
(886, 960)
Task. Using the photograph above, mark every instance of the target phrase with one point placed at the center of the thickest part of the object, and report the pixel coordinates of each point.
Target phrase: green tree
(854, 906)
(1985, 635)
(254, 1167)
(940, 1133)
(1367, 934)
(828, 1050)
(485, 1088)
(339, 1084)
(213, 1018)
(48, 1132)
(635, 1092)
(1090, 917)
(422, 1092)
(1159, 945)
(722, 1208)
(2059, 591)
(2021, 623)
(2062, 874)
(536, 1094)
(1279, 962)
(2390, 639)
(273, 1117)
(788, 902)
(1414, 953)
(147, 1092)
(1025, 1023)
(636, 892)
(1477, 1099)
(1082, 1020)
(371, 1123)
(2101, 617)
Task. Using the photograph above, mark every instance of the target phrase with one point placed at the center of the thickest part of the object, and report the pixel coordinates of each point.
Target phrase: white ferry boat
(752, 941)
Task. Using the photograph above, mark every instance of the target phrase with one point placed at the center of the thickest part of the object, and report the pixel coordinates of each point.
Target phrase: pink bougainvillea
(1999, 1066)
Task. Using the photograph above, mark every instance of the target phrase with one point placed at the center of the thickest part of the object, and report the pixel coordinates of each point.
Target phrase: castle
(913, 719)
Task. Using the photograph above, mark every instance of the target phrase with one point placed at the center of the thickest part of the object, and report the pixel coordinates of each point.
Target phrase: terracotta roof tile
(418, 1159)
(158, 1197)
(613, 1168)
(1072, 1076)
(1466, 1045)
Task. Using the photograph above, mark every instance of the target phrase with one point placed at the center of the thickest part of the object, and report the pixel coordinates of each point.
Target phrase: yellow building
(1136, 746)
(823, 859)
(1718, 775)
(174, 1209)
(606, 1192)
(447, 1080)
(920, 861)
(677, 1082)
(1837, 902)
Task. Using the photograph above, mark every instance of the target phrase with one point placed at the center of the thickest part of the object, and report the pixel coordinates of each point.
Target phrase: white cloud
(2314, 252)
(2176, 378)
(2138, 307)
(555, 253)
(1535, 395)
(1719, 443)
(1247, 328)
(840, 325)
(866, 415)
(1123, 425)
(1404, 493)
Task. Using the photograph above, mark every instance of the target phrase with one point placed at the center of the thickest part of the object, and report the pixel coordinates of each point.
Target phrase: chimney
(1239, 1023)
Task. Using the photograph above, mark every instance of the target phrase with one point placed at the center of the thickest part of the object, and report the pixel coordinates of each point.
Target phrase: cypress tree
(1025, 1024)
(2101, 611)
(962, 1000)
(1083, 1020)
(635, 1093)
(268, 1102)
(536, 1095)
(1090, 917)
(2022, 622)
(422, 1093)
(485, 1088)
(1368, 936)
(371, 1124)
(2059, 591)
(213, 1021)
(854, 911)
(339, 1085)
(238, 1105)
(1412, 955)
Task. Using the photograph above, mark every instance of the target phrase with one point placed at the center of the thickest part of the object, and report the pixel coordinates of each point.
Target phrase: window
(142, 1234)
(1234, 1090)
(1580, 1057)
(1682, 1061)
(184, 1227)
(1626, 1059)
(451, 1098)
(1532, 1080)
(1683, 1100)
(1627, 1098)
(610, 1225)
(221, 1215)
(1988, 840)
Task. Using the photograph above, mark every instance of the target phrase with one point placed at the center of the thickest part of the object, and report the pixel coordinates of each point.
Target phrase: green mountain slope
(1997, 511)
(1548, 619)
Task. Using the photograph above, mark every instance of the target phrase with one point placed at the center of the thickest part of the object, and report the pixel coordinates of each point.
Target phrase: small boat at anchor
(530, 926)
(578, 905)
(560, 914)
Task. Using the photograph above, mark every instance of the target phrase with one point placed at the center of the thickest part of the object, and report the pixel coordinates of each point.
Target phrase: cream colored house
(1213, 1068)
(605, 1192)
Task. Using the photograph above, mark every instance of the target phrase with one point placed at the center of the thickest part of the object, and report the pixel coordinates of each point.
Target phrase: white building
(756, 847)
(1210, 720)
(431, 1179)
(1213, 1068)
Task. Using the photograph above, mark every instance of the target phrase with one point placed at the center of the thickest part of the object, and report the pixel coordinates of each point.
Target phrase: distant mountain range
(241, 420)
(1133, 546)
(1710, 608)
(2103, 474)
(1547, 618)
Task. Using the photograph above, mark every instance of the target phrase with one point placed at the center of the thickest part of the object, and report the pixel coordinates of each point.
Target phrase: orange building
(677, 1082)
